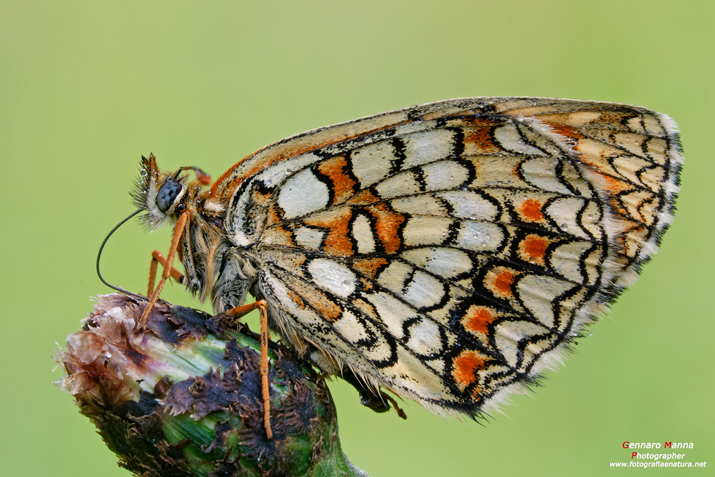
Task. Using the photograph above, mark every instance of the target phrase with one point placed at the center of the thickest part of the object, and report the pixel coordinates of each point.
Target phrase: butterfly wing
(450, 251)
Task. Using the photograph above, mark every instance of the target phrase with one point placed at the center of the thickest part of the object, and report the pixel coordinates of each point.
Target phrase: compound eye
(168, 192)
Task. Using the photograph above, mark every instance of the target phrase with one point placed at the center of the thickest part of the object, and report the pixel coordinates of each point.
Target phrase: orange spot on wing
(478, 131)
(387, 221)
(343, 185)
(500, 280)
(324, 306)
(530, 210)
(466, 366)
(533, 248)
(336, 222)
(387, 226)
(369, 266)
(504, 281)
(477, 319)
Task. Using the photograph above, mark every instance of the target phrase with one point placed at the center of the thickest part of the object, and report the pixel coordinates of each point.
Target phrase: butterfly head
(163, 194)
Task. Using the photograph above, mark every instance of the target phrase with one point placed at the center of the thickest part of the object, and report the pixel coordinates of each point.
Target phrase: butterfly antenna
(99, 255)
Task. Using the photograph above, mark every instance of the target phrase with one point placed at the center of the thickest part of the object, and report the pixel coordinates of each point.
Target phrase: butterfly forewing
(449, 251)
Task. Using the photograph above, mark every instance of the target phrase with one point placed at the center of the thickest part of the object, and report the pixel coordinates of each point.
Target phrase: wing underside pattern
(450, 251)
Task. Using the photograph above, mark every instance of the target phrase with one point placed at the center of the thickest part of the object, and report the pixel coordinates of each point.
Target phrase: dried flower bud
(183, 397)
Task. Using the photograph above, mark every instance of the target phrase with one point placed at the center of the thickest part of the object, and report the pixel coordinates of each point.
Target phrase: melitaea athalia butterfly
(447, 252)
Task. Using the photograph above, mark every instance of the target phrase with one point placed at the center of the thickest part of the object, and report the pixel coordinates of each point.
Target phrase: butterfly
(447, 252)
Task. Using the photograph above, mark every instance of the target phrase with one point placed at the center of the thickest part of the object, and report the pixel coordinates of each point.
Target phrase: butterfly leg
(378, 401)
(265, 336)
(156, 259)
(180, 224)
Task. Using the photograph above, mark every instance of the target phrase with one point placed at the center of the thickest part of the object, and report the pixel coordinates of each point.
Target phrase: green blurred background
(87, 87)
